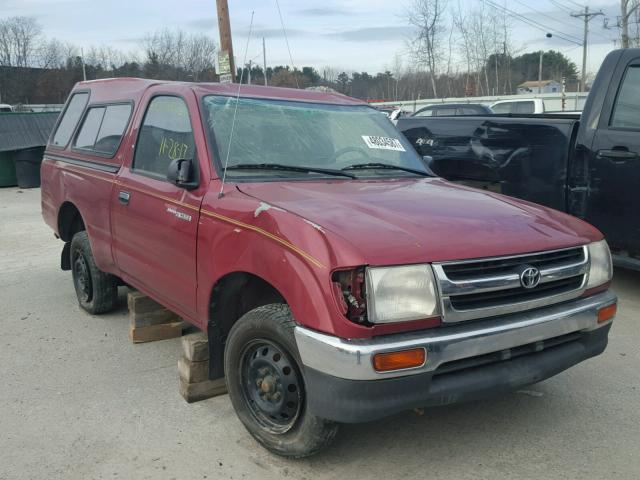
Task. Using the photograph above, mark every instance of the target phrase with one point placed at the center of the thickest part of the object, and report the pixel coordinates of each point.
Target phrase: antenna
(235, 111)
(286, 39)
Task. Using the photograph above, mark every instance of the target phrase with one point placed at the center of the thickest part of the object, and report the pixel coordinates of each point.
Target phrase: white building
(534, 86)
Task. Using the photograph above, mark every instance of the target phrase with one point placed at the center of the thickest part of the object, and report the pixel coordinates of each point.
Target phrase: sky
(350, 35)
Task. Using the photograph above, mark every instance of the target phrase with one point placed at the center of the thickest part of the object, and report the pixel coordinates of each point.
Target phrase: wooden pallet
(193, 368)
(149, 321)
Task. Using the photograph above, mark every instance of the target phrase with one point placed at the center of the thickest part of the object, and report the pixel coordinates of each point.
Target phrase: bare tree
(627, 9)
(166, 46)
(104, 57)
(507, 53)
(480, 30)
(486, 45)
(398, 72)
(19, 41)
(427, 17)
(461, 23)
(181, 51)
(6, 44)
(329, 74)
(53, 54)
(199, 55)
(636, 23)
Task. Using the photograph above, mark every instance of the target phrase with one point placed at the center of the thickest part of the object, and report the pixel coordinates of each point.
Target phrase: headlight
(601, 269)
(400, 294)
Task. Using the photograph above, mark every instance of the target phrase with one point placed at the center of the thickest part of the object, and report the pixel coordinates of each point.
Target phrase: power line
(570, 49)
(581, 7)
(575, 4)
(561, 6)
(547, 16)
(531, 23)
(560, 21)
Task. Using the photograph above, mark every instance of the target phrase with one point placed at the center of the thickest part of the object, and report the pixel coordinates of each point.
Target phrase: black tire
(262, 335)
(97, 291)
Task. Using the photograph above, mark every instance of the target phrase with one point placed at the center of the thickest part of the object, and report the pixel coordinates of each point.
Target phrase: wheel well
(234, 295)
(69, 221)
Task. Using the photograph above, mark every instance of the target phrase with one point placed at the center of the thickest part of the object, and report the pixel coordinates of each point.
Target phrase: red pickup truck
(338, 279)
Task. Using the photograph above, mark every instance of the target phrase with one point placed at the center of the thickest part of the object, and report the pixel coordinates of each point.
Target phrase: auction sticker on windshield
(383, 143)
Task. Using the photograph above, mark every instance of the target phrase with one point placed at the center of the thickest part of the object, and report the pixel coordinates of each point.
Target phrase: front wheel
(266, 385)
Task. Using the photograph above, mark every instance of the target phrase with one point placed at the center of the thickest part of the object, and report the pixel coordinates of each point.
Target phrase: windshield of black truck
(311, 136)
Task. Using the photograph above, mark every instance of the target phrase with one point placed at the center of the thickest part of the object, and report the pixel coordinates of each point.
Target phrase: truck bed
(525, 156)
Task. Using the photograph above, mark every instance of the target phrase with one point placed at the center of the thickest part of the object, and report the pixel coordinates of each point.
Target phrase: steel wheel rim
(82, 278)
(271, 385)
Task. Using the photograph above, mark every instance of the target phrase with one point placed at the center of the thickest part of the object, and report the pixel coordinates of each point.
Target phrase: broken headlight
(349, 291)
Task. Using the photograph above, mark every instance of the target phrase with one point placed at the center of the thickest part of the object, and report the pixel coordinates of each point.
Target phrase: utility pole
(586, 16)
(264, 61)
(549, 35)
(84, 70)
(540, 72)
(249, 74)
(226, 46)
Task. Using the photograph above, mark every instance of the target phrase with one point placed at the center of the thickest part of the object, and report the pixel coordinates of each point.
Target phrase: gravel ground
(79, 401)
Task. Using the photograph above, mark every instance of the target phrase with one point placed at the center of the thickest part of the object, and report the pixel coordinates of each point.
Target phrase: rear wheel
(96, 290)
(266, 385)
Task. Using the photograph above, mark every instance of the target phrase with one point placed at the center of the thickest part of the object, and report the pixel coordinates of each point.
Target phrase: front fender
(294, 256)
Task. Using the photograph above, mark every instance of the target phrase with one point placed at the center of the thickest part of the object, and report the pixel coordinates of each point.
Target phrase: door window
(502, 107)
(424, 113)
(626, 112)
(470, 111)
(165, 135)
(443, 112)
(525, 107)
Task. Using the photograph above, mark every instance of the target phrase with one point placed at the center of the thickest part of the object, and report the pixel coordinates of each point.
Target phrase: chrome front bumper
(353, 359)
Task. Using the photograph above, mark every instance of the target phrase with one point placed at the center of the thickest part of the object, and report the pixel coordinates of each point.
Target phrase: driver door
(615, 163)
(155, 222)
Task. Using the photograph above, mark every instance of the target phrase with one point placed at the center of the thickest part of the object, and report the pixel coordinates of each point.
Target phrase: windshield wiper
(387, 166)
(289, 168)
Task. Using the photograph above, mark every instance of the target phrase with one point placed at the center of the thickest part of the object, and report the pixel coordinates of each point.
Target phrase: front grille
(492, 267)
(505, 355)
(482, 288)
(515, 295)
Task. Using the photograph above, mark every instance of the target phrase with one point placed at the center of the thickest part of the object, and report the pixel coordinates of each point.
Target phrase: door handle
(617, 155)
(123, 197)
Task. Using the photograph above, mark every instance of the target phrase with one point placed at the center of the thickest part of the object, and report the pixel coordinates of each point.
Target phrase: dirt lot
(79, 401)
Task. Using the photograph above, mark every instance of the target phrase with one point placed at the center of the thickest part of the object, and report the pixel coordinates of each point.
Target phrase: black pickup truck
(588, 165)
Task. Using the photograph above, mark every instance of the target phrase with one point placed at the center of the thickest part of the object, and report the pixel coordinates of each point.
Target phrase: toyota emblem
(530, 277)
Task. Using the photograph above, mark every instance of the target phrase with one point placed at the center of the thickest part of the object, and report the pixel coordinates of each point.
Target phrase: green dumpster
(7, 170)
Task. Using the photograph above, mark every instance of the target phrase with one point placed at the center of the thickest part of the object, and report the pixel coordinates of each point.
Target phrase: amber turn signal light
(607, 313)
(386, 362)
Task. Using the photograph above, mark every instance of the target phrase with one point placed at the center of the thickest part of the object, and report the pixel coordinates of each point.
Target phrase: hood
(424, 220)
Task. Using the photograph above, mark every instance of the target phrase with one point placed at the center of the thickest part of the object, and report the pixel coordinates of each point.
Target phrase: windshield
(306, 135)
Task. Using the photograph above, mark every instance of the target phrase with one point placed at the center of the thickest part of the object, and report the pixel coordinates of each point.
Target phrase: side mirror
(180, 173)
(428, 160)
